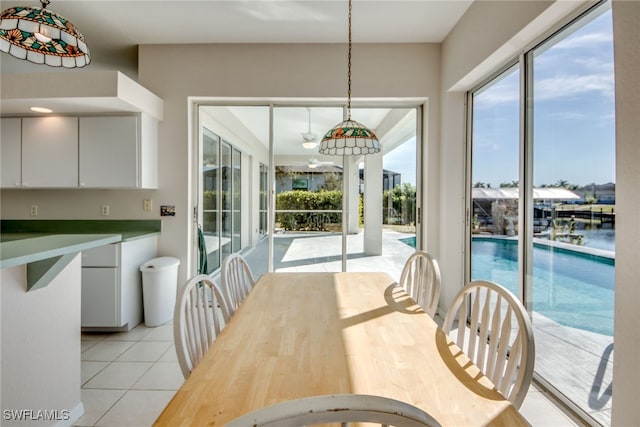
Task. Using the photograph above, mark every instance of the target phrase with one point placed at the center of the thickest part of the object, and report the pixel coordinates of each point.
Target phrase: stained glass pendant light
(349, 137)
(42, 36)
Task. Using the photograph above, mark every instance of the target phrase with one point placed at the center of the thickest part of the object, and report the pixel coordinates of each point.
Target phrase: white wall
(626, 374)
(78, 204)
(267, 72)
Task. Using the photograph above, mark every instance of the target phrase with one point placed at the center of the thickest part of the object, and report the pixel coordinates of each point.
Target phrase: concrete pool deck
(577, 362)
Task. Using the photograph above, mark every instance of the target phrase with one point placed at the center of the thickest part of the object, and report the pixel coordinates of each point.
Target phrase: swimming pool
(572, 288)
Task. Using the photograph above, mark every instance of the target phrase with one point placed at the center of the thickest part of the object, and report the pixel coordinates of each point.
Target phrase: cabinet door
(109, 152)
(102, 256)
(50, 152)
(10, 152)
(100, 300)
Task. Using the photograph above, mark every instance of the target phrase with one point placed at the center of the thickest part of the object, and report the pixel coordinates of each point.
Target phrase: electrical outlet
(105, 210)
(34, 210)
(147, 205)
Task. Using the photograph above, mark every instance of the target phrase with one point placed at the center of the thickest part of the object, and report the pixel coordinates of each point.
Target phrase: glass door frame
(196, 152)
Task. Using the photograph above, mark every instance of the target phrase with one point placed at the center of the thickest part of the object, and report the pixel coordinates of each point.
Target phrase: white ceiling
(113, 26)
(393, 126)
(117, 23)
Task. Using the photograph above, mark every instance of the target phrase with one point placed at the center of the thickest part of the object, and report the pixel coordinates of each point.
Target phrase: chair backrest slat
(500, 340)
(420, 278)
(237, 280)
(200, 311)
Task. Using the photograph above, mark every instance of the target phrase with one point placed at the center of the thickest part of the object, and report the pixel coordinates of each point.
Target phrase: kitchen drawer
(102, 256)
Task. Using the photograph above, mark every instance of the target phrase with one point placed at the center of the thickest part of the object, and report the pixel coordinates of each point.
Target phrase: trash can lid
(162, 263)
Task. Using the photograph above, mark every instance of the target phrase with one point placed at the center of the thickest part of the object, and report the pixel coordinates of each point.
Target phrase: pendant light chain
(349, 138)
(349, 69)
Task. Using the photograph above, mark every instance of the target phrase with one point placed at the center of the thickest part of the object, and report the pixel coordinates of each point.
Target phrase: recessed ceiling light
(41, 110)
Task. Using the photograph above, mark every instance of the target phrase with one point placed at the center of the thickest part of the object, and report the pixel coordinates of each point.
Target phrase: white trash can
(159, 288)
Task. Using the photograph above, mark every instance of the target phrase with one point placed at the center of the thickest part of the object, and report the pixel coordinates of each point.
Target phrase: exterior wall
(264, 73)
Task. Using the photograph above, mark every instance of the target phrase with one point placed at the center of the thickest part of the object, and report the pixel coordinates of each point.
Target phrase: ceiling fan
(309, 139)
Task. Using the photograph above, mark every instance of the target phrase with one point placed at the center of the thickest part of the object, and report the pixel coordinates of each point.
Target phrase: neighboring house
(601, 193)
(314, 179)
(390, 180)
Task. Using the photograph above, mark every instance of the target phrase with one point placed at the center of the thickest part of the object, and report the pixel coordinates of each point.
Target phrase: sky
(403, 160)
(573, 119)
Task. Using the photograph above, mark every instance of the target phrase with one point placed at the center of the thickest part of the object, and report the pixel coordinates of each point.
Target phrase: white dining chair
(495, 332)
(421, 279)
(200, 313)
(237, 280)
(337, 408)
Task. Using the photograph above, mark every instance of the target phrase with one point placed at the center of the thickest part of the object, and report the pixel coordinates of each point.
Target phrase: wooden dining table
(304, 334)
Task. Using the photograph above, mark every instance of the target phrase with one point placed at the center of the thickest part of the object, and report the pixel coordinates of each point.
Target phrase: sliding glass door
(573, 232)
(262, 175)
(542, 203)
(220, 200)
(308, 191)
(495, 174)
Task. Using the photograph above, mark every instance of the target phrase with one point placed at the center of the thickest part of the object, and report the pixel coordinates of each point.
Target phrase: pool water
(571, 288)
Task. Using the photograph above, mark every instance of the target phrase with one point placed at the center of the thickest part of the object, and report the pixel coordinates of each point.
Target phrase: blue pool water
(572, 288)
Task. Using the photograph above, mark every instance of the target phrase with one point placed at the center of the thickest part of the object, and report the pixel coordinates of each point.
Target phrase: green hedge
(308, 200)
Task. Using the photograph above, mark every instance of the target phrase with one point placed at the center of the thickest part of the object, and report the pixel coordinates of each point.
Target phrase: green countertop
(129, 229)
(125, 235)
(46, 256)
(33, 249)
(47, 246)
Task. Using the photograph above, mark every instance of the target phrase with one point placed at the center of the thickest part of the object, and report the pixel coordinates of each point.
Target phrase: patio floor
(577, 362)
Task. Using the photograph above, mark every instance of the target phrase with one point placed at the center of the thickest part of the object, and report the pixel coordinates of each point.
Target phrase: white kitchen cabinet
(10, 152)
(49, 152)
(112, 284)
(118, 152)
(100, 294)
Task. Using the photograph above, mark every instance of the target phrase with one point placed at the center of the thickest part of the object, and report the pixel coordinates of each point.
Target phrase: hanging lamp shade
(42, 37)
(349, 138)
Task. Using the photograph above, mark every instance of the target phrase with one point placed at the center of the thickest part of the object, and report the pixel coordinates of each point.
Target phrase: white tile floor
(128, 378)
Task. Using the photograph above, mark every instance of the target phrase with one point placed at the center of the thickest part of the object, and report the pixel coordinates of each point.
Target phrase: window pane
(494, 199)
(264, 203)
(226, 194)
(210, 196)
(574, 204)
(237, 185)
(308, 192)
